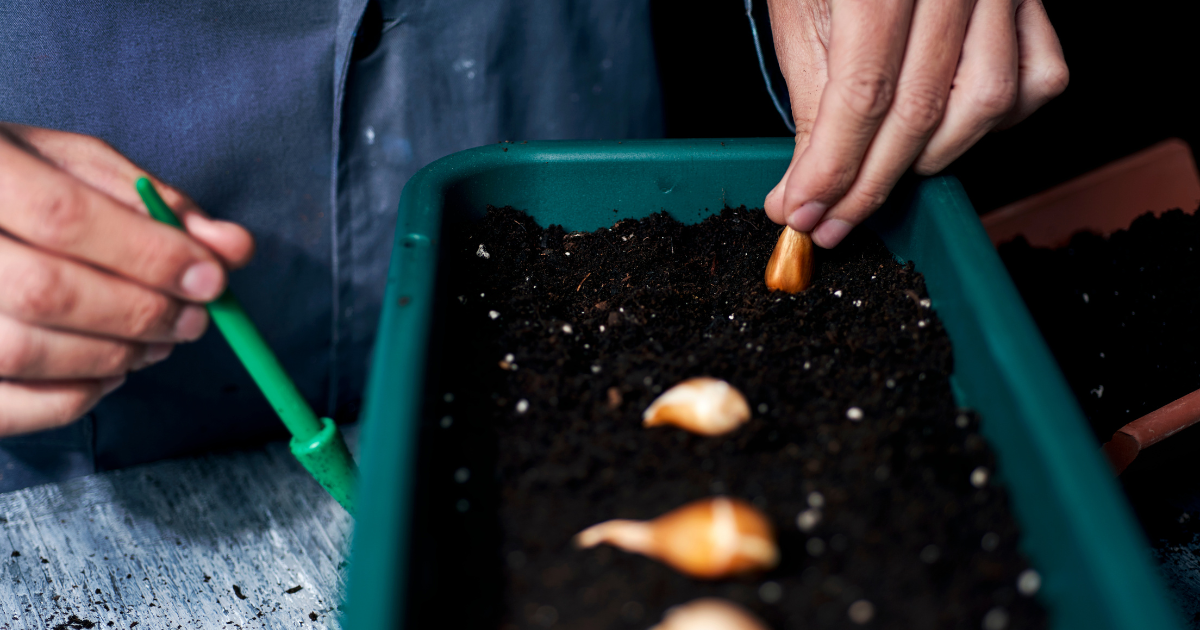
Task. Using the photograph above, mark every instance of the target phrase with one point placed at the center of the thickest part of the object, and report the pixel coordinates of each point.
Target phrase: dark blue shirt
(260, 111)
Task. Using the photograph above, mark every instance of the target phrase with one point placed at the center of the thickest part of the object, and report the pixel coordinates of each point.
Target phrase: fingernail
(830, 233)
(806, 216)
(190, 323)
(156, 352)
(109, 384)
(201, 281)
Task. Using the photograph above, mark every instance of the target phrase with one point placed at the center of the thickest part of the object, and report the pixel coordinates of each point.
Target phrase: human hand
(877, 86)
(91, 287)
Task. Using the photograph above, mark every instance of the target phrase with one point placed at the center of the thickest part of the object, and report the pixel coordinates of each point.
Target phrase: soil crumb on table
(75, 623)
(551, 344)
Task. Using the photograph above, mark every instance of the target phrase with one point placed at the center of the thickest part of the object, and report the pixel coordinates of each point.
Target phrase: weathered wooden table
(237, 540)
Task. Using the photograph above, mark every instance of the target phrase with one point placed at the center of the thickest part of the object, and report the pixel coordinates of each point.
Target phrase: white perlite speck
(861, 612)
(493, 314)
(770, 592)
(979, 477)
(854, 414)
(1085, 298)
(522, 406)
(509, 358)
(462, 475)
(837, 293)
(1029, 582)
(808, 519)
(926, 302)
(816, 500)
(567, 329)
(482, 253)
(995, 619)
(595, 369)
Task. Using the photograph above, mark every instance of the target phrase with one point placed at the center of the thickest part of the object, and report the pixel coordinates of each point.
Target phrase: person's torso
(257, 111)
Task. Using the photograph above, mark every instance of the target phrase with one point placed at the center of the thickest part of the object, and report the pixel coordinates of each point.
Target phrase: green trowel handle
(317, 443)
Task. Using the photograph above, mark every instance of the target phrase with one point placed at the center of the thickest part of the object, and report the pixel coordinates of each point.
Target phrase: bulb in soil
(708, 539)
(791, 265)
(704, 405)
(709, 613)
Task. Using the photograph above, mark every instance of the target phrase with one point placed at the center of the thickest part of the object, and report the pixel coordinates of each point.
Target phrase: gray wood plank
(163, 546)
(1181, 568)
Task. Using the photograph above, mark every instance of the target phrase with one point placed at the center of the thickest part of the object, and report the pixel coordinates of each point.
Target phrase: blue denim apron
(268, 114)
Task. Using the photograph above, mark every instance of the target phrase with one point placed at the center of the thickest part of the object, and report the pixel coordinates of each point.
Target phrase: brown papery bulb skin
(791, 265)
(708, 539)
(709, 613)
(703, 405)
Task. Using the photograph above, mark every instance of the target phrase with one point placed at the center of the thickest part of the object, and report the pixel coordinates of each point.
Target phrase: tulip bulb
(791, 265)
(704, 405)
(709, 613)
(708, 539)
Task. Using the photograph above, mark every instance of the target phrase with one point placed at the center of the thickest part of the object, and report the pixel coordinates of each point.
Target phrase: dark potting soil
(552, 344)
(1122, 317)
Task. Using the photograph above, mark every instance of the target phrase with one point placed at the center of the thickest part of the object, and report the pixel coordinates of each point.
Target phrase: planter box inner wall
(1076, 527)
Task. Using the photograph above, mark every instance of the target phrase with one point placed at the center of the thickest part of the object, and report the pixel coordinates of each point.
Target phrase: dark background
(1132, 67)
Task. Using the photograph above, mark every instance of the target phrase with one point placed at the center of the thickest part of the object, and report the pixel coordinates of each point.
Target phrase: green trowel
(316, 442)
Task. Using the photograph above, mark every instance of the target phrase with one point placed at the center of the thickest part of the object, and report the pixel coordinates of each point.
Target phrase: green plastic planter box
(1078, 530)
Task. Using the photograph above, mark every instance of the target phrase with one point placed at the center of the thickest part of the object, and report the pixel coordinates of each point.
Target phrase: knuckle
(867, 199)
(59, 217)
(868, 94)
(147, 316)
(926, 167)
(1053, 78)
(63, 410)
(995, 96)
(116, 361)
(17, 352)
(36, 293)
(158, 261)
(920, 108)
(96, 144)
(833, 177)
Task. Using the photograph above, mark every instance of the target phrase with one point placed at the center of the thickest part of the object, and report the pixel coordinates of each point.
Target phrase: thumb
(801, 42)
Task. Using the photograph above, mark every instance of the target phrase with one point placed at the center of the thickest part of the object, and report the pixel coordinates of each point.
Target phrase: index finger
(49, 209)
(99, 165)
(866, 47)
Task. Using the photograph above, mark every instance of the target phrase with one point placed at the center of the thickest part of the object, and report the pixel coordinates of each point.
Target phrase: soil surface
(1122, 317)
(552, 344)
